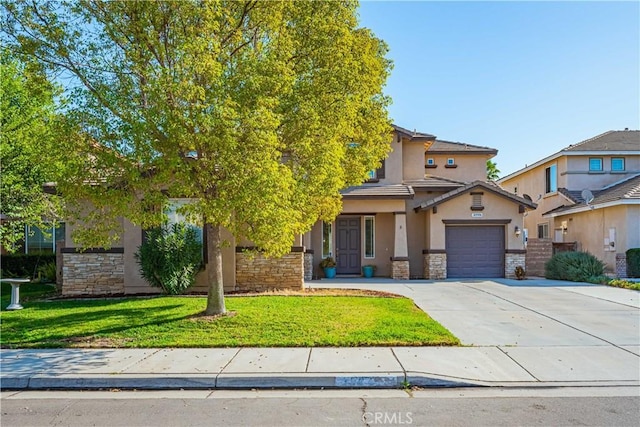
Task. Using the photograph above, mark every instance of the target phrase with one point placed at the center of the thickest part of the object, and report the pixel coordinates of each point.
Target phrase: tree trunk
(215, 296)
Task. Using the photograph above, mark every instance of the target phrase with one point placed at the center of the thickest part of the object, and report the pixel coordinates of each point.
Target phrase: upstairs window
(595, 164)
(551, 179)
(617, 164)
(377, 174)
(430, 161)
(451, 161)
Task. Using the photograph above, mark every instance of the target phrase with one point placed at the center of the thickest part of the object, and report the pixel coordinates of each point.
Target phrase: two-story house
(428, 212)
(588, 193)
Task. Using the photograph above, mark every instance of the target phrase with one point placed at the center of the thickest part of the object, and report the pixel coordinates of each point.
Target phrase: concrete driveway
(527, 313)
(555, 330)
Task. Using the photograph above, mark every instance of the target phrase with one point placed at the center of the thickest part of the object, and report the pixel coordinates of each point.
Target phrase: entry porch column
(400, 258)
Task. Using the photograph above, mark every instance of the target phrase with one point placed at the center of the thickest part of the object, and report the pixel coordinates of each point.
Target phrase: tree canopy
(258, 111)
(26, 121)
(493, 173)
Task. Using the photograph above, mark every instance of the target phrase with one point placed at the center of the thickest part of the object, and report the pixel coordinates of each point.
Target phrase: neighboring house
(428, 212)
(588, 193)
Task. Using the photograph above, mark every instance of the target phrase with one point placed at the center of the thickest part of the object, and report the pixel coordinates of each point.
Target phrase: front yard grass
(260, 321)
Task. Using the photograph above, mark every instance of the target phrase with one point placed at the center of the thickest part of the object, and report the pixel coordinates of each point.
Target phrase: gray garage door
(475, 251)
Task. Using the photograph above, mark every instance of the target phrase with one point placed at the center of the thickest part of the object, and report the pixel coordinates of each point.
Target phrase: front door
(348, 245)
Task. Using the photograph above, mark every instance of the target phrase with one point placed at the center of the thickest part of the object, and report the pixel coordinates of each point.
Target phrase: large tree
(27, 115)
(258, 111)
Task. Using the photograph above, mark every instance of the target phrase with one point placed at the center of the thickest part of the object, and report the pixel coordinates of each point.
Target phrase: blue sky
(527, 78)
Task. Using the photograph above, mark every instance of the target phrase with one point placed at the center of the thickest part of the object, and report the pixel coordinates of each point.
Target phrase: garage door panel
(475, 251)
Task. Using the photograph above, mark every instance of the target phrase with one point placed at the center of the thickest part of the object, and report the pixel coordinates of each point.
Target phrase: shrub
(627, 284)
(25, 265)
(574, 266)
(327, 262)
(170, 257)
(47, 273)
(633, 262)
(520, 273)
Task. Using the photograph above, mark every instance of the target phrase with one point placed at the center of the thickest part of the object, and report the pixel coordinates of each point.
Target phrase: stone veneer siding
(621, 266)
(308, 266)
(435, 266)
(539, 251)
(255, 272)
(511, 261)
(92, 273)
(400, 269)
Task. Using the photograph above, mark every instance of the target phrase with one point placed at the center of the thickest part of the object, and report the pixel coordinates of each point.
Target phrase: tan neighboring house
(428, 212)
(587, 193)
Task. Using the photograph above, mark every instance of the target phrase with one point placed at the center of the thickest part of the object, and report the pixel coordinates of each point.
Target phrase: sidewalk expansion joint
(518, 363)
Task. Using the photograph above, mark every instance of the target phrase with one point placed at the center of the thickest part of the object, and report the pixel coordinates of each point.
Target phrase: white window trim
(624, 166)
(330, 254)
(451, 161)
(373, 237)
(543, 224)
(431, 161)
(601, 164)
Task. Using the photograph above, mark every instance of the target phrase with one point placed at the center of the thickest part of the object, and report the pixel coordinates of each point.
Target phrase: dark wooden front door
(348, 245)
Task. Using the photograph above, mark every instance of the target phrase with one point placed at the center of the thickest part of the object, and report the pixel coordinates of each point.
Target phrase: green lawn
(262, 321)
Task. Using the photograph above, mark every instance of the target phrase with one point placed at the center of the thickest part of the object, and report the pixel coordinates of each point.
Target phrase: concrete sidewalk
(523, 333)
(369, 367)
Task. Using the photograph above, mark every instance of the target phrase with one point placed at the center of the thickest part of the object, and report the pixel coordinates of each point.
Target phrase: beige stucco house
(587, 193)
(428, 212)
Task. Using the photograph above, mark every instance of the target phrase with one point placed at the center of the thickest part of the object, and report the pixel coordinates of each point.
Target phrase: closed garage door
(475, 251)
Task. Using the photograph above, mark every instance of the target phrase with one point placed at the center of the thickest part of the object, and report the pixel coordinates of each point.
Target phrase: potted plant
(520, 273)
(329, 266)
(368, 270)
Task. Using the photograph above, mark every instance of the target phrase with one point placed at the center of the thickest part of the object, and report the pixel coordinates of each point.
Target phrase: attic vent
(476, 201)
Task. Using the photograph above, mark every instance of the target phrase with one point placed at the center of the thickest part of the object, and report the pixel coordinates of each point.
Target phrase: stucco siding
(469, 167)
(590, 228)
(459, 208)
(578, 176)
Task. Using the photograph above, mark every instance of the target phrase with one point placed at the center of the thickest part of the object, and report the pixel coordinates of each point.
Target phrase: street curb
(224, 382)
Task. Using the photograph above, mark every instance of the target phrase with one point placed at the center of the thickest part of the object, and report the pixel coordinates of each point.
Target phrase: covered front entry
(348, 245)
(475, 251)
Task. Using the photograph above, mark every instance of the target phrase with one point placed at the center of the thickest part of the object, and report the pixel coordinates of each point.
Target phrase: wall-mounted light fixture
(517, 230)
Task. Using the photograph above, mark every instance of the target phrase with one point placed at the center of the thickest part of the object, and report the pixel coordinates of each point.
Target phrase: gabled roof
(434, 183)
(413, 136)
(449, 147)
(623, 142)
(613, 140)
(489, 186)
(367, 191)
(626, 191)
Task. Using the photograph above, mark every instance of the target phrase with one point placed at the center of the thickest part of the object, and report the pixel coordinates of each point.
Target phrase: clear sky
(526, 78)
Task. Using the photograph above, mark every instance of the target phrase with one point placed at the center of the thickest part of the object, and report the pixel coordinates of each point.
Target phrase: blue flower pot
(329, 272)
(367, 271)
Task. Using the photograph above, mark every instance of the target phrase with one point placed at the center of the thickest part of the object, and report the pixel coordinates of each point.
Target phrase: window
(376, 174)
(327, 245)
(617, 164)
(595, 164)
(175, 216)
(543, 230)
(42, 241)
(451, 161)
(369, 237)
(431, 162)
(551, 179)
